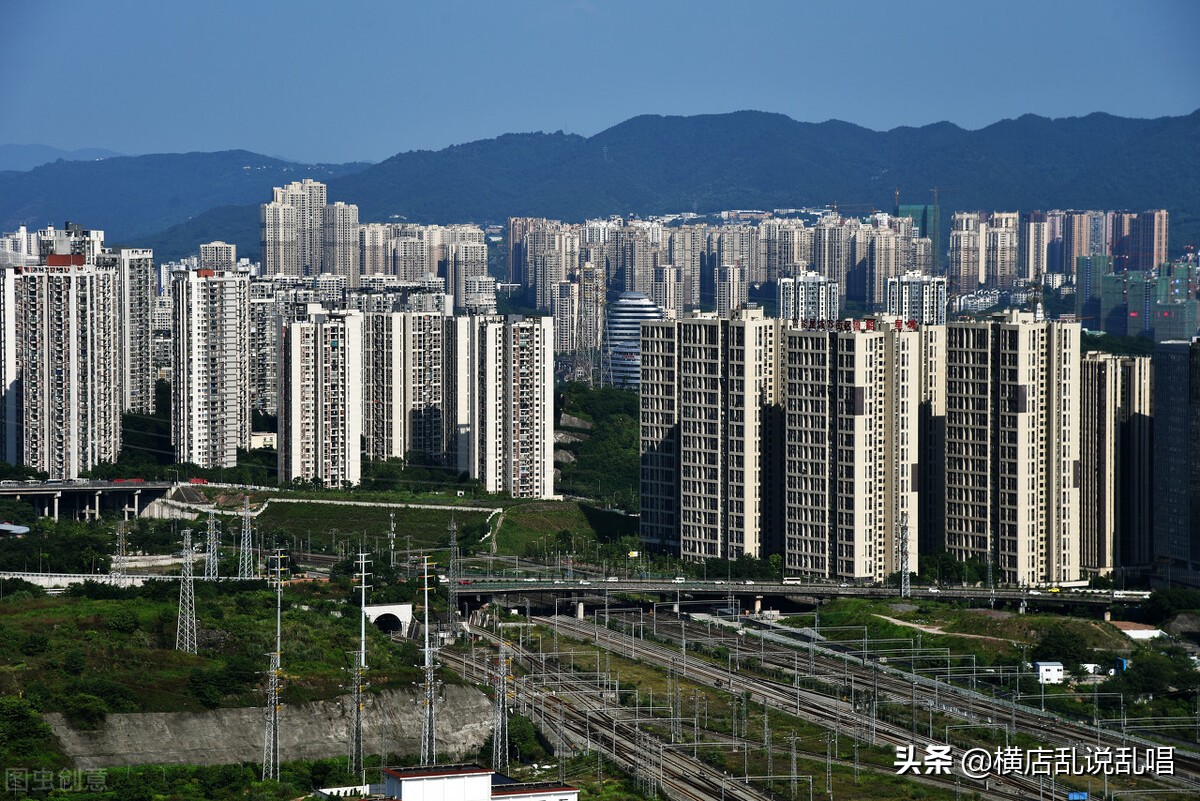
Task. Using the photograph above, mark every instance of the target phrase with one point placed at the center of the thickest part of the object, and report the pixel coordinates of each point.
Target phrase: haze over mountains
(646, 165)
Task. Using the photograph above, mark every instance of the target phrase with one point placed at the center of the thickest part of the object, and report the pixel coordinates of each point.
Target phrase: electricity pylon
(270, 768)
(212, 548)
(185, 627)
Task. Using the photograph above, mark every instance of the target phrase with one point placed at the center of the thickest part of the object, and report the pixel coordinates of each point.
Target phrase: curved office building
(623, 333)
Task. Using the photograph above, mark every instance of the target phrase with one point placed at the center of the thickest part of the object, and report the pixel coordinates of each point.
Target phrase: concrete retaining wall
(307, 731)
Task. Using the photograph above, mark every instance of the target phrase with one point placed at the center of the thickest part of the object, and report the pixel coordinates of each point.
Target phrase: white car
(677, 580)
(612, 579)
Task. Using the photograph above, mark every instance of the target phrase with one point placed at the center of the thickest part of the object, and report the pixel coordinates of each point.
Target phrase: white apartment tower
(915, 296)
(966, 270)
(278, 227)
(320, 397)
(210, 399)
(403, 402)
(1001, 249)
(499, 384)
(136, 279)
(340, 242)
(808, 296)
(732, 289)
(68, 339)
(218, 256)
(667, 292)
(308, 199)
(565, 310)
(1013, 446)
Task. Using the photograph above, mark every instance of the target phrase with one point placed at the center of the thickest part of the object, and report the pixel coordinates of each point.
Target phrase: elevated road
(717, 589)
(87, 499)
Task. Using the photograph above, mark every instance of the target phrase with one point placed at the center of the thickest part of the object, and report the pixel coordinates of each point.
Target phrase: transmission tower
(185, 628)
(500, 713)
(270, 768)
(212, 547)
(392, 536)
(360, 667)
(429, 721)
(905, 583)
(246, 551)
(120, 560)
(452, 571)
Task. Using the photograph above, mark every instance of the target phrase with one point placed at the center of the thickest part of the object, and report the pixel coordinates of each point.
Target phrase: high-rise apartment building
(375, 248)
(622, 337)
(1177, 461)
(340, 241)
(966, 271)
(67, 339)
(466, 260)
(278, 233)
(320, 397)
(1001, 256)
(1151, 240)
(403, 403)
(916, 296)
(136, 279)
(308, 199)
(1033, 247)
(1116, 425)
(499, 376)
(565, 307)
(210, 397)
(732, 289)
(1012, 446)
(709, 434)
(807, 296)
(218, 256)
(10, 376)
(263, 345)
(851, 459)
(667, 292)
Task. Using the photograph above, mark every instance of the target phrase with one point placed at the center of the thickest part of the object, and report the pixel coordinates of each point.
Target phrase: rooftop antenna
(360, 666)
(429, 721)
(185, 627)
(212, 548)
(270, 768)
(246, 551)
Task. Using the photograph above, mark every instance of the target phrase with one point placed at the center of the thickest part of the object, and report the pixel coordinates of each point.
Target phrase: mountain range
(645, 165)
(26, 157)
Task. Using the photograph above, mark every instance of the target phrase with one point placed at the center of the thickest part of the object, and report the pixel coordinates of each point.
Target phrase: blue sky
(360, 79)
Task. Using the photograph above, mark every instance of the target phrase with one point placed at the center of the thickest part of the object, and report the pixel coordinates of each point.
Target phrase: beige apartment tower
(1013, 447)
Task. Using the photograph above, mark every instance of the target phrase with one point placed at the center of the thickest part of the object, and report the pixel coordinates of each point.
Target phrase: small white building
(1049, 672)
(467, 783)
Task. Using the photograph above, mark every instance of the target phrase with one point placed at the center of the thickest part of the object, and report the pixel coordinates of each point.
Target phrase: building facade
(210, 398)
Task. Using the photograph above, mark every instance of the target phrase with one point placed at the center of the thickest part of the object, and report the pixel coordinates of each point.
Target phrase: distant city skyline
(365, 81)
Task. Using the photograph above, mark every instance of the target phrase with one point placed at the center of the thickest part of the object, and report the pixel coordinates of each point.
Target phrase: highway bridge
(85, 499)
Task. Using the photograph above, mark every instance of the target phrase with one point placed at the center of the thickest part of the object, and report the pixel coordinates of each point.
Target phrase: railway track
(814, 707)
(828, 712)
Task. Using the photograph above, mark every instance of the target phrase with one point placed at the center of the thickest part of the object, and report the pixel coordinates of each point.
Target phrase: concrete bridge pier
(758, 604)
(579, 610)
